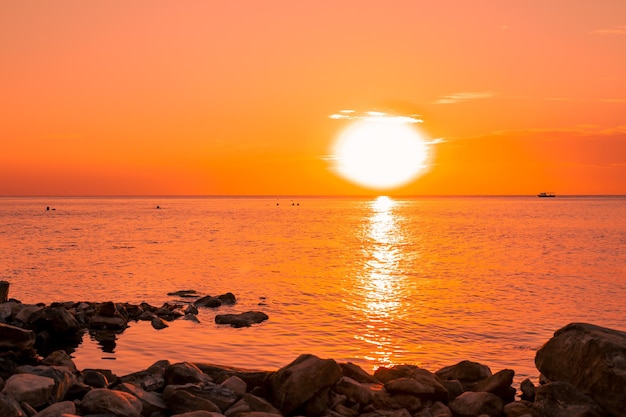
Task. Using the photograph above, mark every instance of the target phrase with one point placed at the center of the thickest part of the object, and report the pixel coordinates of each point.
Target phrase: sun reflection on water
(379, 282)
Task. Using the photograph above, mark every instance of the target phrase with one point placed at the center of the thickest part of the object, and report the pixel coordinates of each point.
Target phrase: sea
(376, 281)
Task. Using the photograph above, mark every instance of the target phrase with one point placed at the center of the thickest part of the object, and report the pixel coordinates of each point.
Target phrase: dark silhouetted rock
(592, 359)
(562, 399)
(528, 390)
(4, 291)
(151, 379)
(467, 372)
(118, 403)
(180, 401)
(158, 323)
(16, 338)
(296, 383)
(499, 384)
(9, 407)
(251, 404)
(241, 320)
(474, 404)
(32, 389)
(56, 320)
(183, 373)
(208, 301)
(151, 402)
(228, 298)
(57, 409)
(357, 373)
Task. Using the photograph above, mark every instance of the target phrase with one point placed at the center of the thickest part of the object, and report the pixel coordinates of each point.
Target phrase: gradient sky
(119, 97)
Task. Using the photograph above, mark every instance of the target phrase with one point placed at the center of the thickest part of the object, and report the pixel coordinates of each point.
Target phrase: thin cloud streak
(464, 96)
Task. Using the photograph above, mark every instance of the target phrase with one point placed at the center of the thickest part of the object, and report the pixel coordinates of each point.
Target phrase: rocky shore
(583, 373)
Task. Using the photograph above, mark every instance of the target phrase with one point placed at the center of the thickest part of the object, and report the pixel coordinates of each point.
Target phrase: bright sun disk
(380, 153)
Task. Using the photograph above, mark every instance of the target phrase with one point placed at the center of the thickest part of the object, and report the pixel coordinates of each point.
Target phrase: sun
(382, 152)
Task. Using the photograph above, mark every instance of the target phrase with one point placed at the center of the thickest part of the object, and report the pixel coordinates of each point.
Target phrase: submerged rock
(241, 320)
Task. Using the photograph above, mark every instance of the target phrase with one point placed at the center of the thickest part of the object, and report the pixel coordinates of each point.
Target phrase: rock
(241, 320)
(26, 312)
(251, 404)
(467, 372)
(591, 358)
(296, 383)
(9, 407)
(474, 404)
(107, 323)
(191, 317)
(219, 373)
(528, 390)
(4, 291)
(151, 402)
(57, 409)
(151, 379)
(184, 373)
(562, 399)
(199, 413)
(499, 384)
(60, 358)
(222, 397)
(57, 320)
(62, 376)
(15, 338)
(425, 382)
(158, 323)
(180, 401)
(9, 309)
(208, 301)
(409, 386)
(227, 299)
(235, 384)
(519, 409)
(385, 401)
(94, 379)
(357, 373)
(354, 391)
(118, 403)
(34, 389)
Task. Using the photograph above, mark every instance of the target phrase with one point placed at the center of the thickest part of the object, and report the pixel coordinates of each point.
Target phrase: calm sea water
(426, 281)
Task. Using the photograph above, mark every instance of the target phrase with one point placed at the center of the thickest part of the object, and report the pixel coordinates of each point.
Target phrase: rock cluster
(62, 325)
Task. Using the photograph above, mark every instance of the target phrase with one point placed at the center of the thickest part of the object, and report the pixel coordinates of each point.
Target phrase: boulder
(562, 399)
(33, 389)
(183, 373)
(59, 358)
(413, 380)
(107, 323)
(151, 402)
(227, 299)
(9, 407)
(355, 392)
(222, 397)
(251, 404)
(199, 413)
(295, 384)
(591, 358)
(474, 404)
(118, 403)
(357, 373)
(62, 376)
(158, 323)
(242, 319)
(499, 384)
(57, 409)
(151, 379)
(467, 372)
(16, 338)
(26, 312)
(56, 320)
(208, 301)
(235, 384)
(181, 401)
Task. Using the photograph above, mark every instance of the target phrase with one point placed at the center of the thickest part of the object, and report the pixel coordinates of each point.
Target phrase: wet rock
(519, 409)
(107, 323)
(220, 396)
(219, 373)
(151, 379)
(235, 384)
(591, 358)
(15, 338)
(208, 301)
(151, 402)
(354, 391)
(58, 409)
(412, 379)
(241, 320)
(357, 373)
(25, 313)
(32, 389)
(528, 390)
(94, 379)
(296, 383)
(118, 403)
(499, 384)
(56, 320)
(251, 404)
(183, 373)
(60, 358)
(62, 376)
(179, 400)
(562, 399)
(184, 293)
(9, 407)
(383, 400)
(158, 323)
(227, 299)
(467, 372)
(474, 404)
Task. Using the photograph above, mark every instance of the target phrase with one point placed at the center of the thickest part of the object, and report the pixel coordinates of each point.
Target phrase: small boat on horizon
(546, 194)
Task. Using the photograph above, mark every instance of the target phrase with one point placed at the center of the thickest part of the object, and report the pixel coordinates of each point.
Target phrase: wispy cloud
(464, 96)
(376, 116)
(618, 30)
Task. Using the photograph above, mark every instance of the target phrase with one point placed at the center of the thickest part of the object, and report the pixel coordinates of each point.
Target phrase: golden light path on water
(379, 281)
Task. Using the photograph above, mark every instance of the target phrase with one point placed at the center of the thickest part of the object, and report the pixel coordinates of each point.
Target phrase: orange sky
(117, 97)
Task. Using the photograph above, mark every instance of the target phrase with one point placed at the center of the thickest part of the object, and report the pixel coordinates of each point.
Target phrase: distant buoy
(158, 207)
(48, 208)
